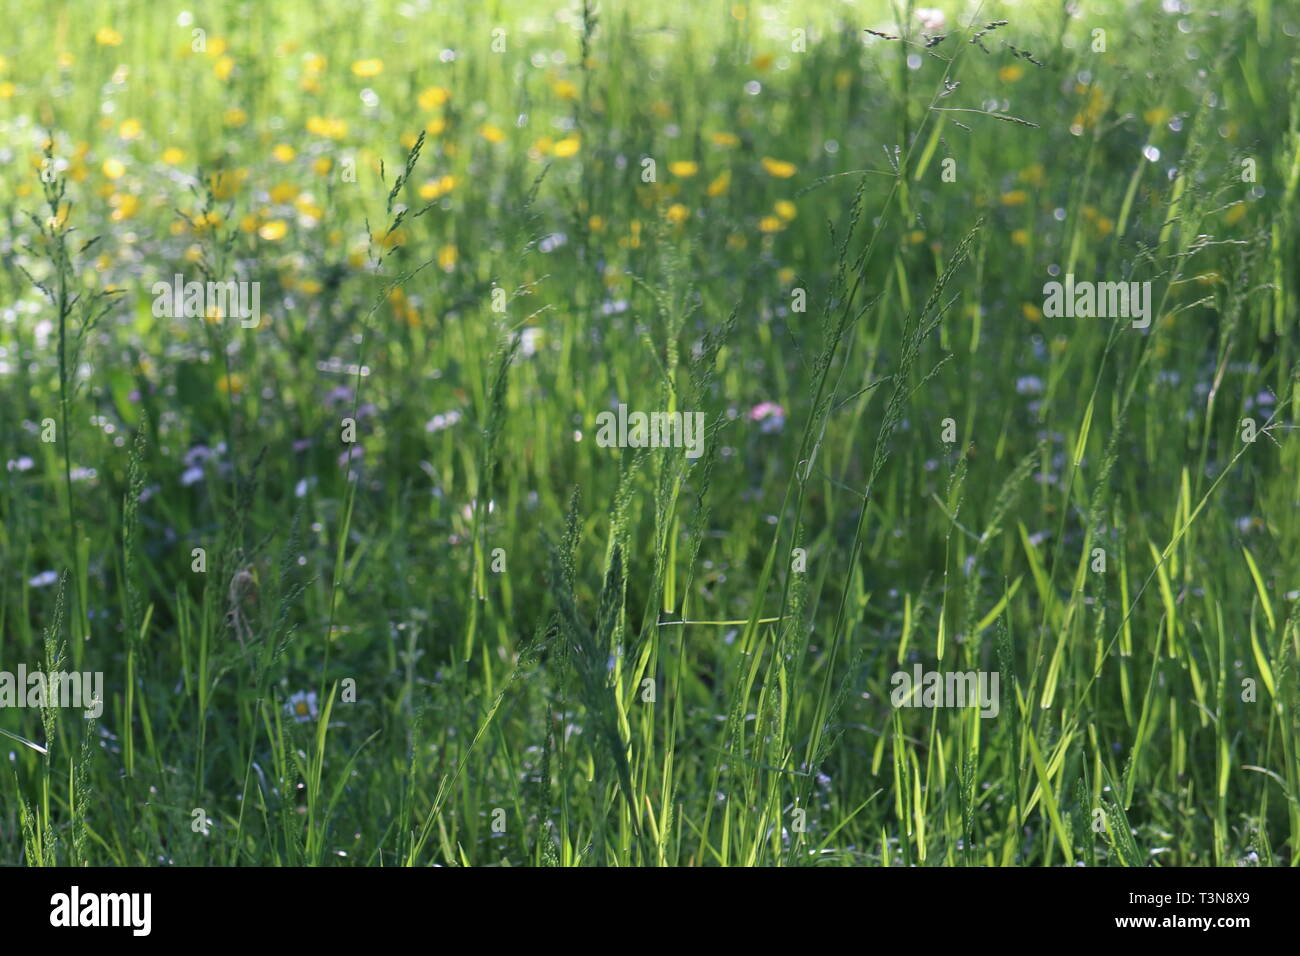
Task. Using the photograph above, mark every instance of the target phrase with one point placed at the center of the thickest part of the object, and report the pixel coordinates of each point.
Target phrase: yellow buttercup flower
(433, 97)
(234, 117)
(107, 36)
(568, 146)
(1020, 237)
(785, 209)
(1016, 197)
(206, 221)
(493, 134)
(1011, 72)
(274, 231)
(1031, 312)
(130, 129)
(224, 67)
(770, 224)
(232, 383)
(114, 168)
(779, 167)
(283, 153)
(308, 208)
(437, 188)
(677, 213)
(329, 128)
(173, 156)
(725, 139)
(368, 67)
(447, 257)
(124, 206)
(684, 168)
(719, 185)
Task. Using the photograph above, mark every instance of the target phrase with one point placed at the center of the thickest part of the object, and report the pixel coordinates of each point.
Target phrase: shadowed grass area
(363, 581)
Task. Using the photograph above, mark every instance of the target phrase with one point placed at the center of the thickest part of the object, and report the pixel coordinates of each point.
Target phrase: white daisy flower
(302, 707)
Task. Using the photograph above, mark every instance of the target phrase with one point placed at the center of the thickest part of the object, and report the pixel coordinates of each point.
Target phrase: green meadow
(313, 319)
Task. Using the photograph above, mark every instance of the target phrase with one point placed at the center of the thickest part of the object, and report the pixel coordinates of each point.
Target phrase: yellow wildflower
(779, 167)
(368, 67)
(433, 97)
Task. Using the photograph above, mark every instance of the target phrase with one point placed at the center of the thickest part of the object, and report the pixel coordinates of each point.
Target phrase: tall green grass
(525, 649)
